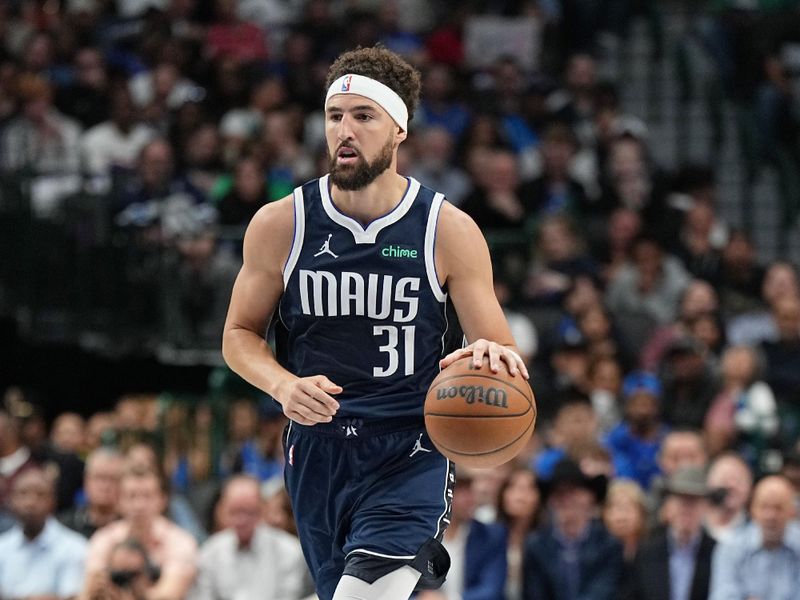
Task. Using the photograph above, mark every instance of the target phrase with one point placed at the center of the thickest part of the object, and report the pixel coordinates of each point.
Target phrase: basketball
(478, 418)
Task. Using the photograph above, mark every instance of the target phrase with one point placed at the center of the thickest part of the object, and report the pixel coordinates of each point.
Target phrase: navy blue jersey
(363, 305)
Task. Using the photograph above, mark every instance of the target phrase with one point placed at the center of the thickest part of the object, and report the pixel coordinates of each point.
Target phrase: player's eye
(363, 117)
(335, 117)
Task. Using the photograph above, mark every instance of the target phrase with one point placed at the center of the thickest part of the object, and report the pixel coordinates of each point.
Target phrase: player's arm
(463, 264)
(255, 296)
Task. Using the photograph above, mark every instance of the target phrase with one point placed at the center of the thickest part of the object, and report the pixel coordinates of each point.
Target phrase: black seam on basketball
(494, 451)
(493, 377)
(436, 414)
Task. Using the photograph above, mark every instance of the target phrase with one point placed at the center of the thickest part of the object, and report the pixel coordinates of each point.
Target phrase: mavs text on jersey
(363, 304)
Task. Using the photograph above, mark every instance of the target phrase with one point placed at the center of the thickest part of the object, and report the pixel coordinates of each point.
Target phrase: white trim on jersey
(430, 248)
(378, 554)
(299, 235)
(447, 501)
(368, 235)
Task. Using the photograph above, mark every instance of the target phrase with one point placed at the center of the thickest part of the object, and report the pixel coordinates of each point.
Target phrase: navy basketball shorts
(368, 497)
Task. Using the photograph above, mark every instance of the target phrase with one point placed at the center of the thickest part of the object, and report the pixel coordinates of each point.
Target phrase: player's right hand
(308, 400)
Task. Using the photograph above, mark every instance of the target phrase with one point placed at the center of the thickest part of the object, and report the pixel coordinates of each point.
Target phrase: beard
(360, 175)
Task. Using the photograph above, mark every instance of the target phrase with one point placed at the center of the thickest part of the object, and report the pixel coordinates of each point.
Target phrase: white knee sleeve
(396, 585)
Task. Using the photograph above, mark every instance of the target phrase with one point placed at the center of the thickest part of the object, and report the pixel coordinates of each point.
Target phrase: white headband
(385, 96)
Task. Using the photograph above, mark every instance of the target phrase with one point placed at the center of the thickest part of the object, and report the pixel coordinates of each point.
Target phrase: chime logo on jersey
(380, 297)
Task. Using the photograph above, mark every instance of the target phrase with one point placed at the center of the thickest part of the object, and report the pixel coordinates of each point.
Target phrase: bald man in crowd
(249, 559)
(763, 562)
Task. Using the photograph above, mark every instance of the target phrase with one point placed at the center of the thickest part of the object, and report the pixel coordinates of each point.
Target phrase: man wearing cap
(637, 440)
(675, 564)
(574, 557)
(763, 561)
(357, 267)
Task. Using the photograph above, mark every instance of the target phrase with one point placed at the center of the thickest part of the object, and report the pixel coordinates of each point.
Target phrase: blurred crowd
(663, 353)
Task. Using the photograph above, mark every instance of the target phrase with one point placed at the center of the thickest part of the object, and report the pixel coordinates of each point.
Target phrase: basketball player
(356, 268)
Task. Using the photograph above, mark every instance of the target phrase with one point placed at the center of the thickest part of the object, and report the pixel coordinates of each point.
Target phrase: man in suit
(675, 564)
(573, 557)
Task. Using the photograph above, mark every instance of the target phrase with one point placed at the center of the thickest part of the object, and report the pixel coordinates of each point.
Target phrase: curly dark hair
(381, 65)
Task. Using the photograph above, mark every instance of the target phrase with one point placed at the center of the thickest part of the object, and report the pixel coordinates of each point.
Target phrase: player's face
(362, 139)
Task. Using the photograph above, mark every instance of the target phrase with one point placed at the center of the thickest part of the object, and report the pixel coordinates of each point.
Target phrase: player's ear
(400, 135)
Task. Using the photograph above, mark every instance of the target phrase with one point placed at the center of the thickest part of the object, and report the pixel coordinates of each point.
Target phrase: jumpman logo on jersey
(418, 447)
(326, 248)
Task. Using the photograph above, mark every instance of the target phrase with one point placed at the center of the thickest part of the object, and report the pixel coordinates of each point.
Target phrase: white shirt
(271, 568)
(456, 547)
(105, 145)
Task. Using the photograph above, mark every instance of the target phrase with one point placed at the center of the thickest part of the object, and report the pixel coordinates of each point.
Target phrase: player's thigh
(405, 500)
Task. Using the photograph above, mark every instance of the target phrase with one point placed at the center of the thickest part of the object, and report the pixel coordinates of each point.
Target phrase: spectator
(248, 559)
(730, 481)
(231, 37)
(614, 246)
(157, 199)
(130, 574)
(763, 561)
(142, 456)
(248, 194)
(486, 484)
(574, 556)
(276, 507)
(556, 191)
(676, 562)
(86, 98)
(698, 299)
(496, 203)
(559, 257)
(67, 465)
(40, 139)
(605, 383)
(477, 551)
(602, 338)
(744, 414)
(67, 433)
(783, 354)
(574, 427)
(99, 430)
(752, 328)
(39, 557)
(101, 487)
(117, 142)
(173, 550)
(434, 167)
(518, 509)
(15, 458)
(689, 383)
(651, 283)
(441, 107)
(741, 277)
(625, 517)
(681, 448)
(639, 438)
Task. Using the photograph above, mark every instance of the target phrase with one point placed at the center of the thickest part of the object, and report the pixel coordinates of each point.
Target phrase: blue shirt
(743, 568)
(641, 455)
(681, 567)
(52, 563)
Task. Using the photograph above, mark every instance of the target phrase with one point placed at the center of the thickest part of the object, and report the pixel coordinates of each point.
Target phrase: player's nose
(345, 128)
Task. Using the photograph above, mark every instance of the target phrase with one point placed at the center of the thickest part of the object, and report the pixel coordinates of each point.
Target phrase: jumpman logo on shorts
(418, 447)
(326, 248)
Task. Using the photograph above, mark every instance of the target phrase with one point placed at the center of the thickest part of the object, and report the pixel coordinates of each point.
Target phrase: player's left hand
(497, 353)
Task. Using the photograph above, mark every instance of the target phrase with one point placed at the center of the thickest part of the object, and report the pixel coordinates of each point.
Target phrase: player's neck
(375, 200)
